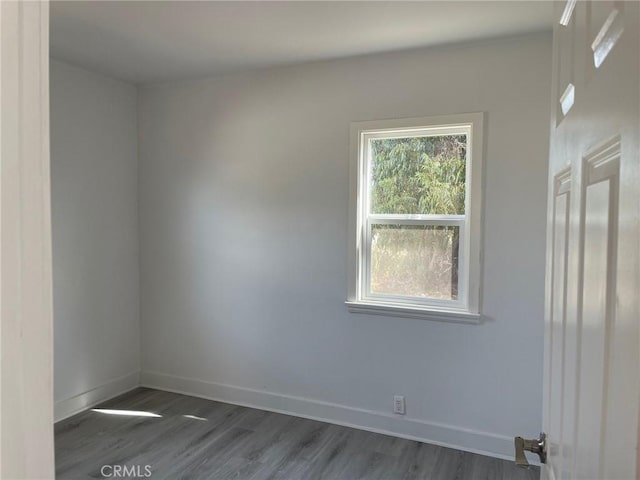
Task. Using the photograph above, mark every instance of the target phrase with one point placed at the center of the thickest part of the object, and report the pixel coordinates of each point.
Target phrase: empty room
(305, 240)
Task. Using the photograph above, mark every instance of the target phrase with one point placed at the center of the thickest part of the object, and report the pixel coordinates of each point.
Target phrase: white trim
(469, 440)
(454, 220)
(424, 313)
(359, 299)
(26, 373)
(71, 406)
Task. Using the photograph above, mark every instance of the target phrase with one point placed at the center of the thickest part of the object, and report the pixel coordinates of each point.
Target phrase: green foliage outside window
(421, 175)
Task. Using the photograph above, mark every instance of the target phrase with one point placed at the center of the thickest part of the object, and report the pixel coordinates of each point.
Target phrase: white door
(592, 321)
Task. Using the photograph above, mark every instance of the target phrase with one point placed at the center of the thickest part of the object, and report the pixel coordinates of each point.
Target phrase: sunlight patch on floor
(129, 413)
(193, 417)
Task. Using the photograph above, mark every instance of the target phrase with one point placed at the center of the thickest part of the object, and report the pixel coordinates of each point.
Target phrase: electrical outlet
(399, 405)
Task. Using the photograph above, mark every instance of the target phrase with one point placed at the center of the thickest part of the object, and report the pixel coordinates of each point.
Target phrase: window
(415, 217)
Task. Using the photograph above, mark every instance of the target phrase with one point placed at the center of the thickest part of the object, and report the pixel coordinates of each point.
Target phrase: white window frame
(466, 308)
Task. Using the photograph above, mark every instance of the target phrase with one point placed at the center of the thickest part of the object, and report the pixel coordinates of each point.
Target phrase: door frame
(26, 306)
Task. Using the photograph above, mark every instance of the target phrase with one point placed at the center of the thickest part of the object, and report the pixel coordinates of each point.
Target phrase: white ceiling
(149, 41)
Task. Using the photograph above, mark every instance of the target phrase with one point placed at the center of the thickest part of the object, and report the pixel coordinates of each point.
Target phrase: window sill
(422, 313)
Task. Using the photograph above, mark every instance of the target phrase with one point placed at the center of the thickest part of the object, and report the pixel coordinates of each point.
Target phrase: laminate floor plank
(511, 472)
(418, 460)
(486, 468)
(183, 437)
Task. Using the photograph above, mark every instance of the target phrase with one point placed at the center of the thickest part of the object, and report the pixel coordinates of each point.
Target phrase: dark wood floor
(201, 439)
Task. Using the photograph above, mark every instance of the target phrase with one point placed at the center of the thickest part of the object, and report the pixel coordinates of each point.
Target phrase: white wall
(243, 222)
(94, 153)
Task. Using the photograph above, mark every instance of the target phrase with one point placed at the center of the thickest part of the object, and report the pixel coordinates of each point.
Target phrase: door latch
(538, 446)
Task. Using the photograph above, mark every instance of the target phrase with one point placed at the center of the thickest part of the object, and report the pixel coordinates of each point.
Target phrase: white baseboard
(484, 443)
(76, 404)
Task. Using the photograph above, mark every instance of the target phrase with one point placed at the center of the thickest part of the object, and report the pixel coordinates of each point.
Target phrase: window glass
(418, 175)
(415, 261)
